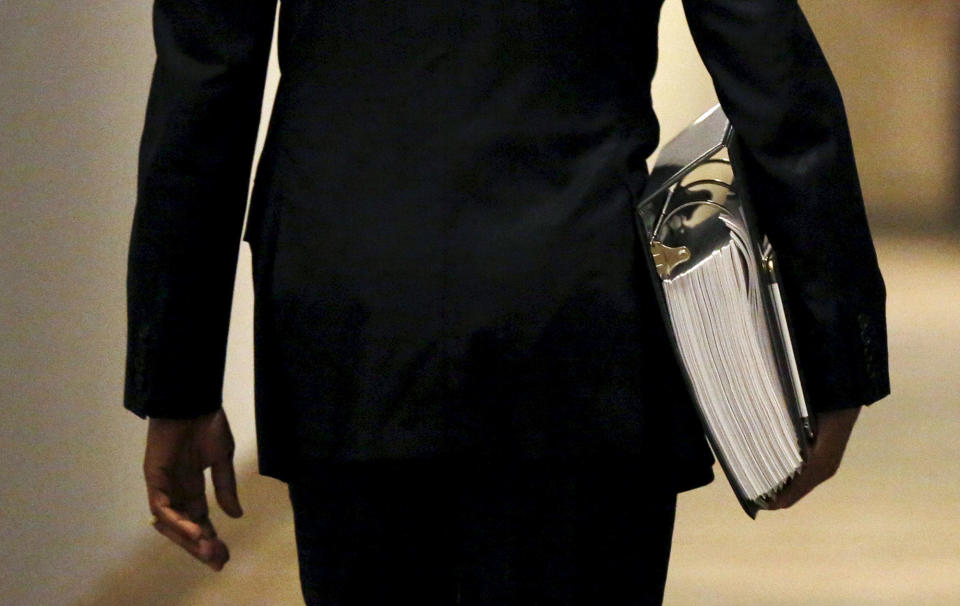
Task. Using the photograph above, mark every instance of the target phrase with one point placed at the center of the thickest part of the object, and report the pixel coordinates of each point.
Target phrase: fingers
(177, 498)
(225, 487)
(188, 524)
(172, 519)
(177, 453)
(171, 476)
(190, 496)
(793, 492)
(820, 467)
(812, 474)
(824, 459)
(208, 549)
(802, 485)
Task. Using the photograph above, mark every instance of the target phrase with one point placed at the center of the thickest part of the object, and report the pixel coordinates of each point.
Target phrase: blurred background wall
(898, 66)
(74, 77)
(73, 83)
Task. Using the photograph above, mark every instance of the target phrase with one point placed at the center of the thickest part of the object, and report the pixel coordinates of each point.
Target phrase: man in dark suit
(446, 271)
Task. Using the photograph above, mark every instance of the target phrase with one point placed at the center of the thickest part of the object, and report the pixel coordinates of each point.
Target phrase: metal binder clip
(667, 257)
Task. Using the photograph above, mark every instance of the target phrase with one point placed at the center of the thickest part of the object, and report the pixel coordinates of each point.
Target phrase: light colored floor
(885, 530)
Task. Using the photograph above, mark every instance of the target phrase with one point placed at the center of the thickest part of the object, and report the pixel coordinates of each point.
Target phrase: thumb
(225, 487)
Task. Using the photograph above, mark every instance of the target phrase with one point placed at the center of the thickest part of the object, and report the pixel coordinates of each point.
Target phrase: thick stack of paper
(720, 294)
(725, 343)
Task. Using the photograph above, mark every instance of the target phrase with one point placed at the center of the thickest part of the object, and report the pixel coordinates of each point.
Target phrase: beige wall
(898, 66)
(70, 105)
(73, 83)
(682, 89)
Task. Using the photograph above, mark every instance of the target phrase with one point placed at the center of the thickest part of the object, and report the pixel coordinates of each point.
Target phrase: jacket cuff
(842, 354)
(145, 406)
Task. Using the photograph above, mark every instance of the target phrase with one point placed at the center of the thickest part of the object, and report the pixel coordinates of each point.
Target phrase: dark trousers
(527, 534)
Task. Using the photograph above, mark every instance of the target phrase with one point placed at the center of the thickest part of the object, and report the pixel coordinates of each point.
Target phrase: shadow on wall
(262, 568)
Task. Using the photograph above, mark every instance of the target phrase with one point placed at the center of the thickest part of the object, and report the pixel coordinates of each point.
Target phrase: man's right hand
(178, 452)
(833, 431)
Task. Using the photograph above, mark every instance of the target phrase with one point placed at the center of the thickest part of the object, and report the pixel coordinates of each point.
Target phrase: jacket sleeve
(194, 167)
(776, 88)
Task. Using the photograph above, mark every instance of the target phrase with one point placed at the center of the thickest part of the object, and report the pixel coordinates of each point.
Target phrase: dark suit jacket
(445, 261)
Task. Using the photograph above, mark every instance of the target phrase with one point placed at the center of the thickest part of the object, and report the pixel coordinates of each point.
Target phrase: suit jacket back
(444, 255)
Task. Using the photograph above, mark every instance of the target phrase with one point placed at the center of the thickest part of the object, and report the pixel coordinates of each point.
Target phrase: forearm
(195, 161)
(777, 89)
